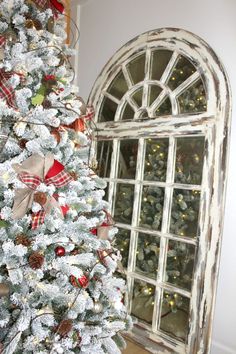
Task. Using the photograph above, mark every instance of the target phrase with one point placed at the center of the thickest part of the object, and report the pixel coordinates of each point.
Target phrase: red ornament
(80, 282)
(60, 251)
(49, 77)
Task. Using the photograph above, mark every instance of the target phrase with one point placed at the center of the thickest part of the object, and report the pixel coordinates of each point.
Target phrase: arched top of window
(162, 74)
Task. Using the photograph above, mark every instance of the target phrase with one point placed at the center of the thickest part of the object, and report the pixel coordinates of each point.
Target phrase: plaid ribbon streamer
(54, 5)
(60, 180)
(6, 91)
(89, 113)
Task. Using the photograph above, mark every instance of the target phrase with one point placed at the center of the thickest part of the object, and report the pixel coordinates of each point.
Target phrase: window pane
(138, 96)
(184, 214)
(179, 264)
(137, 68)
(127, 112)
(175, 315)
(104, 152)
(156, 159)
(106, 192)
(118, 86)
(153, 92)
(124, 203)
(193, 100)
(128, 159)
(189, 160)
(164, 108)
(143, 301)
(181, 71)
(147, 255)
(160, 59)
(122, 242)
(151, 207)
(107, 110)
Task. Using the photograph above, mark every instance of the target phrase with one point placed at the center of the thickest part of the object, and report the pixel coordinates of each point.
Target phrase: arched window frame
(214, 124)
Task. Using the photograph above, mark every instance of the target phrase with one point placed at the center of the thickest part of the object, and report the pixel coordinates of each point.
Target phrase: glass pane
(184, 214)
(181, 71)
(127, 158)
(193, 100)
(175, 315)
(156, 159)
(153, 92)
(127, 112)
(106, 192)
(160, 59)
(138, 96)
(137, 68)
(107, 111)
(124, 203)
(143, 300)
(118, 86)
(189, 160)
(164, 108)
(122, 242)
(179, 264)
(104, 152)
(147, 255)
(151, 207)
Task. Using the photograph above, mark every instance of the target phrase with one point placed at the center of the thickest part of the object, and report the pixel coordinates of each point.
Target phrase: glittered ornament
(97, 307)
(4, 290)
(40, 198)
(81, 282)
(60, 251)
(36, 260)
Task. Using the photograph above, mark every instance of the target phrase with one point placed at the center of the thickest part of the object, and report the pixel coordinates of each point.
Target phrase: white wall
(108, 24)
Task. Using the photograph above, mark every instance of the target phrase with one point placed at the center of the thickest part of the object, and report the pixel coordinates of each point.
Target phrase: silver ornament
(97, 307)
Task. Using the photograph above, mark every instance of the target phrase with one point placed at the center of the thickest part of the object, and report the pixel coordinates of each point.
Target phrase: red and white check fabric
(89, 113)
(31, 181)
(6, 91)
(37, 219)
(60, 180)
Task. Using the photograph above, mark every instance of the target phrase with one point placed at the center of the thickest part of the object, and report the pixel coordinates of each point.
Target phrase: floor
(133, 348)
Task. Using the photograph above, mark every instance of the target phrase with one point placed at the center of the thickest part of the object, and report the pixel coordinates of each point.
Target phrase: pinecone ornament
(36, 260)
(23, 240)
(65, 327)
(40, 198)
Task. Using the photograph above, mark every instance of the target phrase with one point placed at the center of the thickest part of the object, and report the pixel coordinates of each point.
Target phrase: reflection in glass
(127, 112)
(138, 96)
(193, 99)
(179, 264)
(137, 68)
(164, 108)
(143, 300)
(184, 214)
(153, 92)
(147, 255)
(104, 152)
(156, 159)
(160, 60)
(124, 203)
(181, 72)
(127, 158)
(151, 207)
(108, 110)
(189, 160)
(122, 242)
(175, 315)
(118, 87)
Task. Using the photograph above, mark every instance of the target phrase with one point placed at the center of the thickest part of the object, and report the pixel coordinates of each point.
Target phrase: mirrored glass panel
(193, 99)
(180, 264)
(138, 96)
(175, 315)
(184, 214)
(164, 108)
(153, 92)
(156, 159)
(128, 159)
(151, 207)
(124, 203)
(160, 60)
(181, 72)
(107, 111)
(189, 160)
(127, 112)
(104, 152)
(147, 255)
(143, 300)
(136, 67)
(118, 86)
(122, 242)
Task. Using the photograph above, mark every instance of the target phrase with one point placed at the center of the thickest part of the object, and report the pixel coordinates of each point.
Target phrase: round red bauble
(60, 251)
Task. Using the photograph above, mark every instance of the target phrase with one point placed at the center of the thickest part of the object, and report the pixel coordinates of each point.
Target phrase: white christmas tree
(58, 292)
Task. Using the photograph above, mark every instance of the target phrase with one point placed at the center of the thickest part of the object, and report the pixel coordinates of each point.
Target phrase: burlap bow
(32, 172)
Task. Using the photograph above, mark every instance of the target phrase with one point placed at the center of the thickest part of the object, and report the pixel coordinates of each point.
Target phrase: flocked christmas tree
(58, 293)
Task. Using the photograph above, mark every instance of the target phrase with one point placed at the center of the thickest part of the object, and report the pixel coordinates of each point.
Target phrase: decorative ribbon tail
(22, 202)
(57, 5)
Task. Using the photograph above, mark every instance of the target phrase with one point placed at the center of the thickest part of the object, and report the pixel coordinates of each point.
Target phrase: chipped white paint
(215, 126)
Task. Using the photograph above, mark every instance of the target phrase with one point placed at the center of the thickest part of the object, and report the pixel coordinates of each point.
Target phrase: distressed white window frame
(214, 124)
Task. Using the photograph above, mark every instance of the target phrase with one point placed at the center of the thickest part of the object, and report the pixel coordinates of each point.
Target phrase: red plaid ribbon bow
(54, 5)
(79, 124)
(6, 91)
